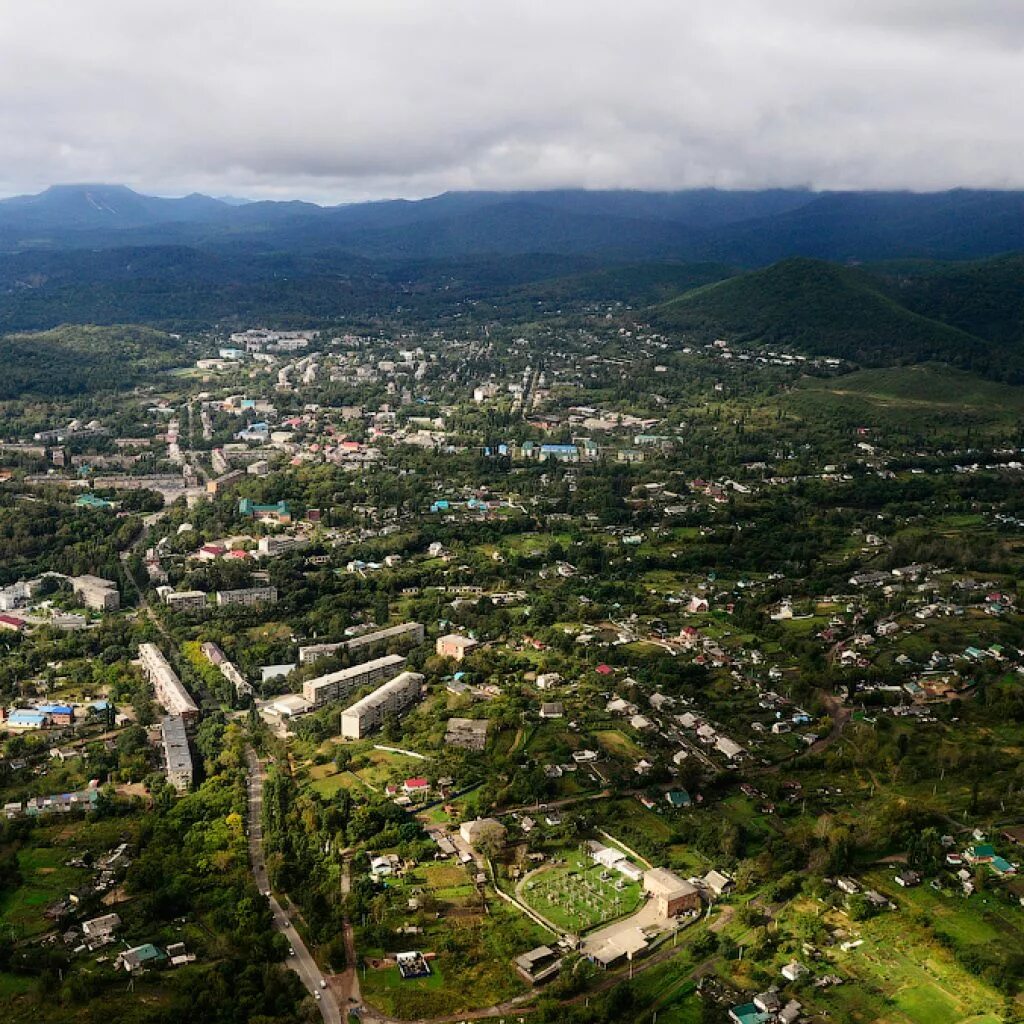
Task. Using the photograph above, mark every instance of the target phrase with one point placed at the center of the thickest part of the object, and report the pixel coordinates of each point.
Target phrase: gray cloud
(349, 99)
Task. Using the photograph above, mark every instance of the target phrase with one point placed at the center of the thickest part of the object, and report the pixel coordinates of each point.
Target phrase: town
(498, 666)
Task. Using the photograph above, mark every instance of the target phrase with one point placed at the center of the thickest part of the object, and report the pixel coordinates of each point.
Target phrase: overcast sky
(336, 100)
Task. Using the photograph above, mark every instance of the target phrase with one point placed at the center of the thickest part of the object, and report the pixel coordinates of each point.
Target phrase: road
(302, 963)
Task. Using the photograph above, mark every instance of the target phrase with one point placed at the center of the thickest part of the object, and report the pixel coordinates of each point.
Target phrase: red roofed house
(12, 622)
(411, 787)
(604, 670)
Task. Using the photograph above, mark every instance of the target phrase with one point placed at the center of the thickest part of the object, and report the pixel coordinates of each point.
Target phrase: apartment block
(392, 698)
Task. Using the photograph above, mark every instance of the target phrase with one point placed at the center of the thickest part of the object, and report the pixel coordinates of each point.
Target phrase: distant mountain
(77, 207)
(820, 308)
(881, 225)
(748, 228)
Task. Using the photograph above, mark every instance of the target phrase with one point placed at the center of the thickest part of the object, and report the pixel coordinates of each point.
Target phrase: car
(323, 984)
(291, 952)
(316, 996)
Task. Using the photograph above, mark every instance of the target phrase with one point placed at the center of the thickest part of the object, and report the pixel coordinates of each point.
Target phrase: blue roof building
(21, 718)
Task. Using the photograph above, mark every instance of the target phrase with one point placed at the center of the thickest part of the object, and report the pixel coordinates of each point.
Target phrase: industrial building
(170, 694)
(177, 756)
(410, 633)
(390, 699)
(674, 895)
(338, 685)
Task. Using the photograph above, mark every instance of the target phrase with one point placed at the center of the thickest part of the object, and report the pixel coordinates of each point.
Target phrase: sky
(345, 100)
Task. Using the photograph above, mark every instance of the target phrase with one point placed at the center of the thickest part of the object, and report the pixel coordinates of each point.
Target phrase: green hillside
(75, 360)
(982, 297)
(823, 309)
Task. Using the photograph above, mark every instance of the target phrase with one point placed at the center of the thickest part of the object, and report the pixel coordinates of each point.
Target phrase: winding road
(302, 963)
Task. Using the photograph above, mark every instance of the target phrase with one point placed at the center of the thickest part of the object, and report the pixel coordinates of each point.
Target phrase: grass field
(45, 879)
(910, 398)
(901, 975)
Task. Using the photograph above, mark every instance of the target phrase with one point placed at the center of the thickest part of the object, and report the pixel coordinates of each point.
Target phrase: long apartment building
(216, 657)
(177, 756)
(171, 695)
(338, 685)
(410, 633)
(392, 698)
(247, 596)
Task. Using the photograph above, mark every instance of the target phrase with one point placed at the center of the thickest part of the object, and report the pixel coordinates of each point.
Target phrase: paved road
(302, 963)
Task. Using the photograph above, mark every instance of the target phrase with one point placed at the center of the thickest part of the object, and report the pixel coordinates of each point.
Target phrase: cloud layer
(350, 99)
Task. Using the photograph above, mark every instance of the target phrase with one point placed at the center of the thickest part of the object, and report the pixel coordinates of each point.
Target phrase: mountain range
(746, 228)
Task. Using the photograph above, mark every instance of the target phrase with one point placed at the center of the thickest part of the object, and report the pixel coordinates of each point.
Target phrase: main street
(302, 963)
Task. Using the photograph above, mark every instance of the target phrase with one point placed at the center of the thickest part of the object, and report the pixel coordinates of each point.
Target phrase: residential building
(247, 596)
(473, 832)
(170, 694)
(185, 600)
(227, 480)
(407, 633)
(177, 756)
(455, 646)
(96, 593)
(370, 712)
(338, 685)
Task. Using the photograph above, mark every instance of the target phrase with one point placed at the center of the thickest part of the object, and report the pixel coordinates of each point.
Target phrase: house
(980, 853)
(718, 882)
(908, 879)
(12, 622)
(674, 895)
(794, 971)
(552, 709)
(728, 747)
(139, 957)
(678, 798)
(383, 865)
(416, 786)
(479, 829)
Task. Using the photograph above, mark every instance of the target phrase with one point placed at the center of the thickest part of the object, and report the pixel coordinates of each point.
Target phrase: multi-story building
(177, 756)
(170, 694)
(338, 685)
(247, 596)
(454, 646)
(215, 656)
(185, 600)
(94, 592)
(223, 482)
(392, 698)
(410, 633)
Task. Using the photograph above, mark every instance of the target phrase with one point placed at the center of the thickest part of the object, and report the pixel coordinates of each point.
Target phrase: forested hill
(75, 360)
(820, 308)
